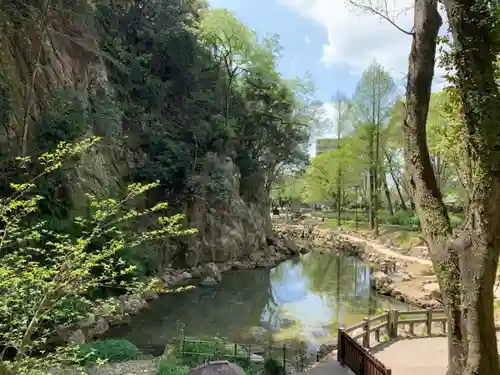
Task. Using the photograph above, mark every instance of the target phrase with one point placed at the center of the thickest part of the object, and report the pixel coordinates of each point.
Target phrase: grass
(115, 350)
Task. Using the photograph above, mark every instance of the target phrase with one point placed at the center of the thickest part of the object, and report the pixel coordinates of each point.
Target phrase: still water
(302, 299)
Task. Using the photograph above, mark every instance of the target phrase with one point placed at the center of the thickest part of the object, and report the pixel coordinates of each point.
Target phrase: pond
(302, 299)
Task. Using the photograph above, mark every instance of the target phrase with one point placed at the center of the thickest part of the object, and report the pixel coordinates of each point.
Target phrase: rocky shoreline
(114, 311)
(407, 279)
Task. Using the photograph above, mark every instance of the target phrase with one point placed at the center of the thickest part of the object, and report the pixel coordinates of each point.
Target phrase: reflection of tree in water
(343, 283)
(271, 314)
(223, 310)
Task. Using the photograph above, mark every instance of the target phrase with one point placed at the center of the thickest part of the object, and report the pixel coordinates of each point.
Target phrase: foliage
(46, 276)
(273, 367)
(195, 352)
(321, 179)
(109, 350)
(166, 367)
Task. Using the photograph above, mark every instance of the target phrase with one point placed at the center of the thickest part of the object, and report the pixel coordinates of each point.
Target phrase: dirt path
(382, 249)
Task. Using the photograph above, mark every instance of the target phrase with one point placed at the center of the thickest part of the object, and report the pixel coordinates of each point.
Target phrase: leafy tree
(465, 260)
(322, 177)
(342, 109)
(46, 276)
(372, 102)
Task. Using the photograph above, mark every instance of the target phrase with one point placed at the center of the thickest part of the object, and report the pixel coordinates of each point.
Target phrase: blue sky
(328, 40)
(302, 42)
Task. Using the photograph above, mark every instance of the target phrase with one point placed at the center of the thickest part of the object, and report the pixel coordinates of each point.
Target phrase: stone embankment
(115, 311)
(406, 278)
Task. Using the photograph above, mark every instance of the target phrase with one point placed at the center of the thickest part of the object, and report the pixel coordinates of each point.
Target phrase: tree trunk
(396, 183)
(466, 263)
(372, 183)
(422, 181)
(474, 35)
(387, 194)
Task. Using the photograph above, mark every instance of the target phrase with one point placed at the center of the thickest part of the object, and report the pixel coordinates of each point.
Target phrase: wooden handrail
(391, 320)
(357, 356)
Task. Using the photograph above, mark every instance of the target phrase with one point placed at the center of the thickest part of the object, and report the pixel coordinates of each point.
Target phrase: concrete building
(325, 144)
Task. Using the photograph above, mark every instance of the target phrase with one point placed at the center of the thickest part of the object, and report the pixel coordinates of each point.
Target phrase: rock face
(228, 227)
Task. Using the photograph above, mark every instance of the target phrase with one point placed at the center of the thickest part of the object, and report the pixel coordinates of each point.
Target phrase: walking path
(328, 367)
(419, 356)
(412, 356)
(382, 249)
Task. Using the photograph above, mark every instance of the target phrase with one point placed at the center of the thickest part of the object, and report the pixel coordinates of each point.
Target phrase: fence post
(284, 358)
(340, 346)
(362, 365)
(183, 341)
(393, 323)
(429, 322)
(366, 335)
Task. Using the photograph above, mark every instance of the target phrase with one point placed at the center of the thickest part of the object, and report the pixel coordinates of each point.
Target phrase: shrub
(111, 350)
(195, 352)
(455, 220)
(48, 276)
(169, 367)
(273, 367)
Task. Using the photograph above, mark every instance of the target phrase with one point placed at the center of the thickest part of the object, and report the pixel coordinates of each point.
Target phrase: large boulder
(212, 270)
(381, 281)
(432, 290)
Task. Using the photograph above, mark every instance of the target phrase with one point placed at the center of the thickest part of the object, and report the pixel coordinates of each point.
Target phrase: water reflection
(302, 299)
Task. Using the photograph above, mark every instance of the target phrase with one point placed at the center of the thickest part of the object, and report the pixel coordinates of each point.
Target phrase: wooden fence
(358, 359)
(356, 355)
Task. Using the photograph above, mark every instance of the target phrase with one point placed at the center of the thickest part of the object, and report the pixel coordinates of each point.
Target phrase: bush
(407, 219)
(111, 350)
(273, 367)
(196, 352)
(455, 220)
(169, 367)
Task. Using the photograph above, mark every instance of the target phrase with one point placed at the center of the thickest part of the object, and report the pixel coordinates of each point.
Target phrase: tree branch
(381, 14)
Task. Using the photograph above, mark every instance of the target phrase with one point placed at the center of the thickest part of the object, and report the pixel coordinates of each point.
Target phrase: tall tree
(372, 102)
(465, 261)
(341, 107)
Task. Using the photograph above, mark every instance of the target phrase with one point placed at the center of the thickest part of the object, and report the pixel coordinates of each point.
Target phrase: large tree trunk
(465, 263)
(422, 182)
(472, 24)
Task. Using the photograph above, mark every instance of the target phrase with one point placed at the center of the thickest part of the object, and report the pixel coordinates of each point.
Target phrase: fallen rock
(381, 281)
(98, 328)
(133, 304)
(241, 265)
(211, 270)
(77, 337)
(208, 281)
(149, 295)
(432, 289)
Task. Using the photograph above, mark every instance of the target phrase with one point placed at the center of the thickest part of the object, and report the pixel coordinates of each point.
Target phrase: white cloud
(355, 37)
(307, 40)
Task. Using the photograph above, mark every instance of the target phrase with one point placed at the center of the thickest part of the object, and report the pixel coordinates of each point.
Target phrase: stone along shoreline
(408, 279)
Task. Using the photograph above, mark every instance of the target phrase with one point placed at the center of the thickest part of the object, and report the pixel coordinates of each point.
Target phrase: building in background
(325, 144)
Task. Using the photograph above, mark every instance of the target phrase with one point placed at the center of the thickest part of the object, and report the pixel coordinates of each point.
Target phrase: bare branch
(381, 13)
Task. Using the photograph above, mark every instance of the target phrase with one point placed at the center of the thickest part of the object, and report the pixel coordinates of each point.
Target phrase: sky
(331, 42)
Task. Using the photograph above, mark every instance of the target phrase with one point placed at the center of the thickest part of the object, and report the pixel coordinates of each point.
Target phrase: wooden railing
(359, 360)
(356, 355)
(388, 323)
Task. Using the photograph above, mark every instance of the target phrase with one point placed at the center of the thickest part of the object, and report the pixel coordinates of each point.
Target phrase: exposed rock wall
(229, 228)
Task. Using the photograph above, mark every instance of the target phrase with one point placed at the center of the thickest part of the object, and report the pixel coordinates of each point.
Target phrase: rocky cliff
(110, 70)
